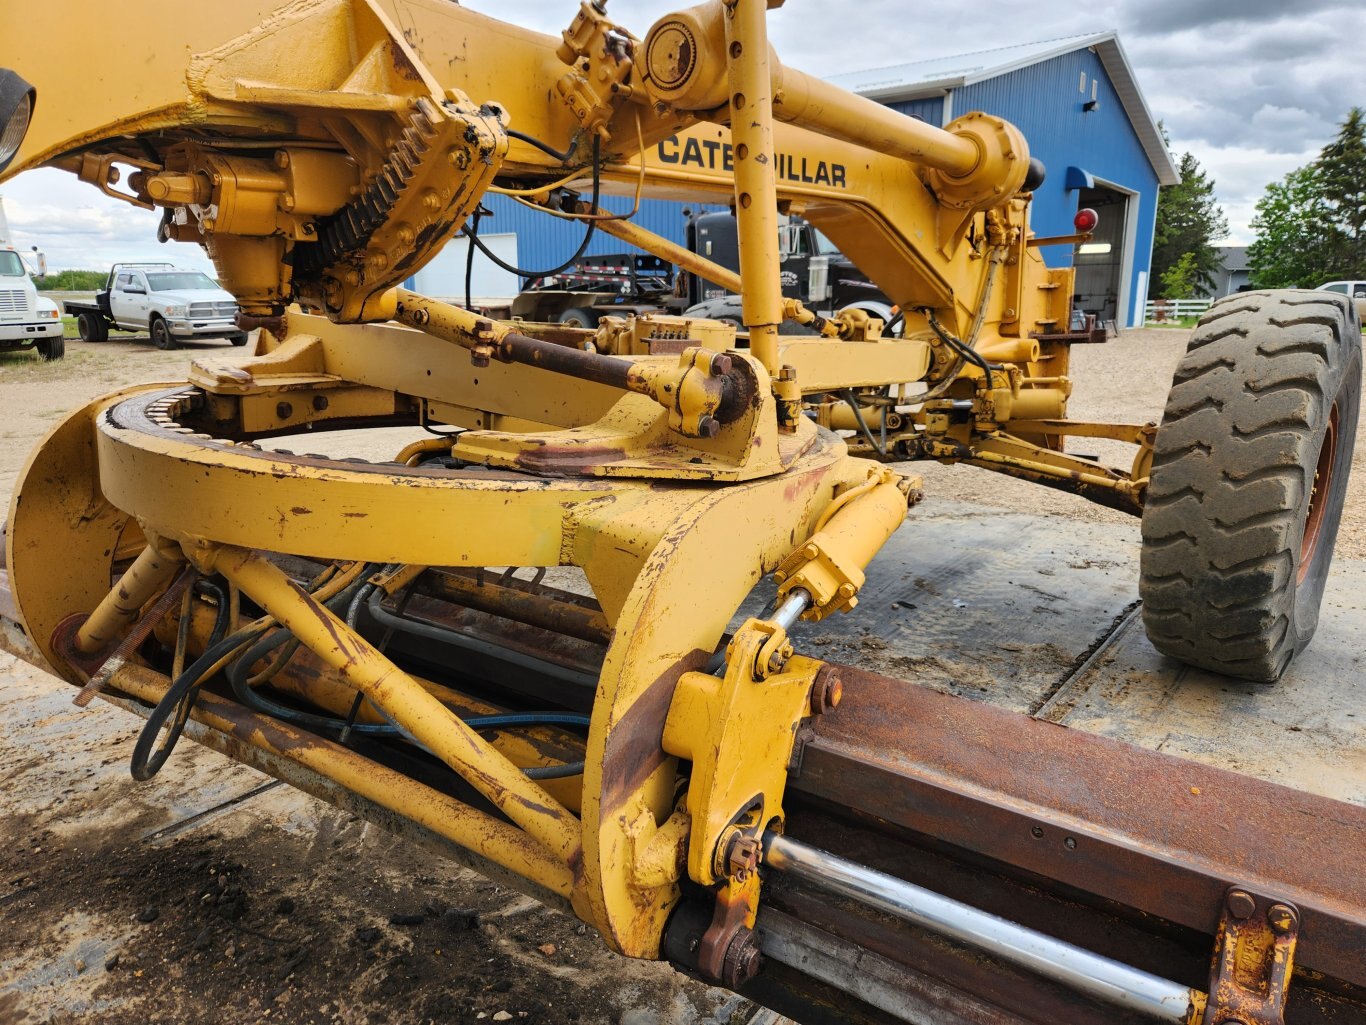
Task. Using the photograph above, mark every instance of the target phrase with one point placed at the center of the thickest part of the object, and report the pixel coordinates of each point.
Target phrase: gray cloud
(1253, 88)
(1179, 15)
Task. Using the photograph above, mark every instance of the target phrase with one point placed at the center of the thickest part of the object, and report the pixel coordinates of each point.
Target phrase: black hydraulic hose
(469, 258)
(351, 600)
(850, 398)
(472, 231)
(545, 147)
(221, 622)
(966, 351)
(179, 698)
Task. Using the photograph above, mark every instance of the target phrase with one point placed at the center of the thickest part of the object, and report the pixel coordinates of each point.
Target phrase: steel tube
(838, 114)
(792, 608)
(153, 567)
(1088, 973)
(633, 234)
(522, 606)
(403, 700)
(756, 186)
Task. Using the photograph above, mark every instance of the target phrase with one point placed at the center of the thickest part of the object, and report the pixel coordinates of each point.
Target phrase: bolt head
(720, 365)
(826, 691)
(1241, 905)
(709, 427)
(1282, 918)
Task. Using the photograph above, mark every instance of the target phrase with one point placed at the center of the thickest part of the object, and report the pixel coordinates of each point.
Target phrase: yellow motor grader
(602, 730)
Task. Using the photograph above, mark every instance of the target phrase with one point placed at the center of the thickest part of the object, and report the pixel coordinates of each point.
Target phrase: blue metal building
(1075, 99)
(1079, 105)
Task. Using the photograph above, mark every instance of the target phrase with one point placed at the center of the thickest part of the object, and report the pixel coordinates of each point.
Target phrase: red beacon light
(1086, 220)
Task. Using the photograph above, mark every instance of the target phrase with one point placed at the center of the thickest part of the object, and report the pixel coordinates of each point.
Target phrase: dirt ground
(213, 895)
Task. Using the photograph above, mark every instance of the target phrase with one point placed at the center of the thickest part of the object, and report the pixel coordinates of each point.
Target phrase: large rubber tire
(1249, 475)
(92, 328)
(580, 316)
(50, 349)
(161, 334)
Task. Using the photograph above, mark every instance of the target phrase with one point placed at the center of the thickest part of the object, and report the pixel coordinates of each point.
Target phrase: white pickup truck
(1355, 289)
(170, 303)
(27, 320)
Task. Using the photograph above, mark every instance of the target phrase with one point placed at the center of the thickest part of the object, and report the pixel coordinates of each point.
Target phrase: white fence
(1167, 311)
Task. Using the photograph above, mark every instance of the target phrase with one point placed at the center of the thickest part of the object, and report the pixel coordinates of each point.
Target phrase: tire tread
(1232, 461)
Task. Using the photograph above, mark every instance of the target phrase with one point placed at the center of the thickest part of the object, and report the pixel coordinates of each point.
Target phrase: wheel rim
(1318, 496)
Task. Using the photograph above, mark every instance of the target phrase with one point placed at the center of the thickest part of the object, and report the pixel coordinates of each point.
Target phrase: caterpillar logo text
(716, 155)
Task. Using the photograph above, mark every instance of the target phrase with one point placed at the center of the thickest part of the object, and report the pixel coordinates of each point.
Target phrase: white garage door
(444, 277)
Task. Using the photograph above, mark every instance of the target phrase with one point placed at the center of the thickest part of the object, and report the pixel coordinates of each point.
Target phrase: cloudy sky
(1253, 88)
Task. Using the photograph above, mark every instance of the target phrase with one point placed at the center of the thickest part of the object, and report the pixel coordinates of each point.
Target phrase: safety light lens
(1086, 220)
(15, 129)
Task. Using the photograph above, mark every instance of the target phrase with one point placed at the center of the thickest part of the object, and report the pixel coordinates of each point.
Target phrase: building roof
(937, 75)
(1234, 257)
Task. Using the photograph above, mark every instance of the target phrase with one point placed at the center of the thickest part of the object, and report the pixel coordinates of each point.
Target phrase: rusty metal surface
(1150, 832)
(951, 982)
(549, 609)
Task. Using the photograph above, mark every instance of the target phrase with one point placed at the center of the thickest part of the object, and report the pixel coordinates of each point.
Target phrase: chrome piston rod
(1098, 977)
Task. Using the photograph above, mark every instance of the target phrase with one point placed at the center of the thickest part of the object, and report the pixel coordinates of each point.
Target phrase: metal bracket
(744, 719)
(729, 952)
(1253, 958)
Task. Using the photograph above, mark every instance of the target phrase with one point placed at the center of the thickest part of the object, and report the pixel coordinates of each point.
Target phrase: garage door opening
(1102, 264)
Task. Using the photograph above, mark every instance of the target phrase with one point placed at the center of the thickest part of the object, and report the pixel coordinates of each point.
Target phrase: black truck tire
(161, 334)
(579, 316)
(1248, 480)
(240, 338)
(92, 328)
(50, 349)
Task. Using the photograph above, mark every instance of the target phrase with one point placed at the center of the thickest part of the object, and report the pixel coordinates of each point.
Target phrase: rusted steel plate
(1161, 835)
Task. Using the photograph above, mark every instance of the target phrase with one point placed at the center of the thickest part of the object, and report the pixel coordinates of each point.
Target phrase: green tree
(1342, 178)
(1189, 222)
(72, 281)
(1180, 280)
(1294, 239)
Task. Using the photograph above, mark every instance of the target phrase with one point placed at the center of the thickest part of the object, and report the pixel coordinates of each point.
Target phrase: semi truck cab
(27, 320)
(812, 269)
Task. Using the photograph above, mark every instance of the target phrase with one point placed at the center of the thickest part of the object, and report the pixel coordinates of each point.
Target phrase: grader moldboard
(620, 749)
